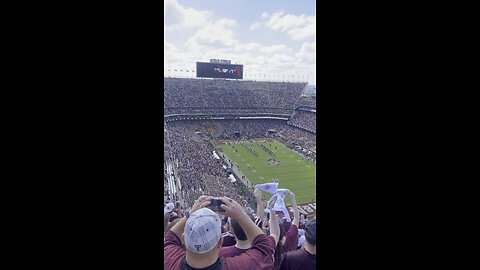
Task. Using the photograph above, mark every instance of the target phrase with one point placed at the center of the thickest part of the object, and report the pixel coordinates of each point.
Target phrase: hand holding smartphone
(215, 205)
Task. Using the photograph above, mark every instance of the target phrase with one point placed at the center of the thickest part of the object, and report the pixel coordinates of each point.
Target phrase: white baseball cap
(169, 208)
(202, 231)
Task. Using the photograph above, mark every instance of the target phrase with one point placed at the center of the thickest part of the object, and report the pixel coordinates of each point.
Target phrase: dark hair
(311, 232)
(310, 239)
(224, 220)
(237, 229)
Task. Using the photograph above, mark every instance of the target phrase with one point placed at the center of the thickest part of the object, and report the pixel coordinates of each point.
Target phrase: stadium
(239, 135)
(234, 138)
(223, 136)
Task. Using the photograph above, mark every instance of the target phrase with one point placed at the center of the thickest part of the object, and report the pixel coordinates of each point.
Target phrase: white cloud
(168, 47)
(215, 33)
(297, 27)
(192, 35)
(177, 16)
(307, 32)
(251, 46)
(307, 53)
(275, 49)
(254, 26)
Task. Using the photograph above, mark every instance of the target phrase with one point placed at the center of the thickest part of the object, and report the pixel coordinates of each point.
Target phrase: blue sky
(270, 38)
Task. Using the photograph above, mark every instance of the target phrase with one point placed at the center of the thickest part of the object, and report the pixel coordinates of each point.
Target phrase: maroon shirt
(232, 251)
(291, 240)
(259, 256)
(228, 239)
(299, 259)
(286, 225)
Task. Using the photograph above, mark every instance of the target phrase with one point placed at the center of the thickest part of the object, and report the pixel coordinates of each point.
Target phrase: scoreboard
(219, 70)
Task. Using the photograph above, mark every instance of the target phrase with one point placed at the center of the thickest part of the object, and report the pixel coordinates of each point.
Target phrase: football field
(262, 161)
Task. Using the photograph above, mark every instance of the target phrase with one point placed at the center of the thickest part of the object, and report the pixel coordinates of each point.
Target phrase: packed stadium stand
(227, 96)
(309, 102)
(209, 126)
(304, 119)
(197, 111)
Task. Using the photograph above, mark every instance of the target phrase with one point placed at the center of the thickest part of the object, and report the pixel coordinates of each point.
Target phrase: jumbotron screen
(214, 70)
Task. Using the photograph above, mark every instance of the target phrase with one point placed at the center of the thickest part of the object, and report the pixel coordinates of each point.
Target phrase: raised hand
(201, 202)
(235, 211)
(291, 195)
(257, 193)
(232, 208)
(296, 213)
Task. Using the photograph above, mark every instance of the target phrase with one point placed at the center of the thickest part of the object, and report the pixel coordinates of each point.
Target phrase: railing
(257, 116)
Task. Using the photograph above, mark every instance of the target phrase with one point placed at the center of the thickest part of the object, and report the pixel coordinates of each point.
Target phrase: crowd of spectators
(196, 168)
(188, 147)
(304, 119)
(228, 94)
(238, 237)
(307, 102)
(247, 129)
(232, 236)
(224, 110)
(296, 138)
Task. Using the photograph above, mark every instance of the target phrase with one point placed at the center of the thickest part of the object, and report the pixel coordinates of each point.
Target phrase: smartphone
(215, 205)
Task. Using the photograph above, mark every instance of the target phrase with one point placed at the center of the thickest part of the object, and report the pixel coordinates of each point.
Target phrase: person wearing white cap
(201, 233)
(172, 213)
(167, 211)
(168, 208)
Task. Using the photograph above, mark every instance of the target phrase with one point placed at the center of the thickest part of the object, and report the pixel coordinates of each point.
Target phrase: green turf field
(293, 172)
